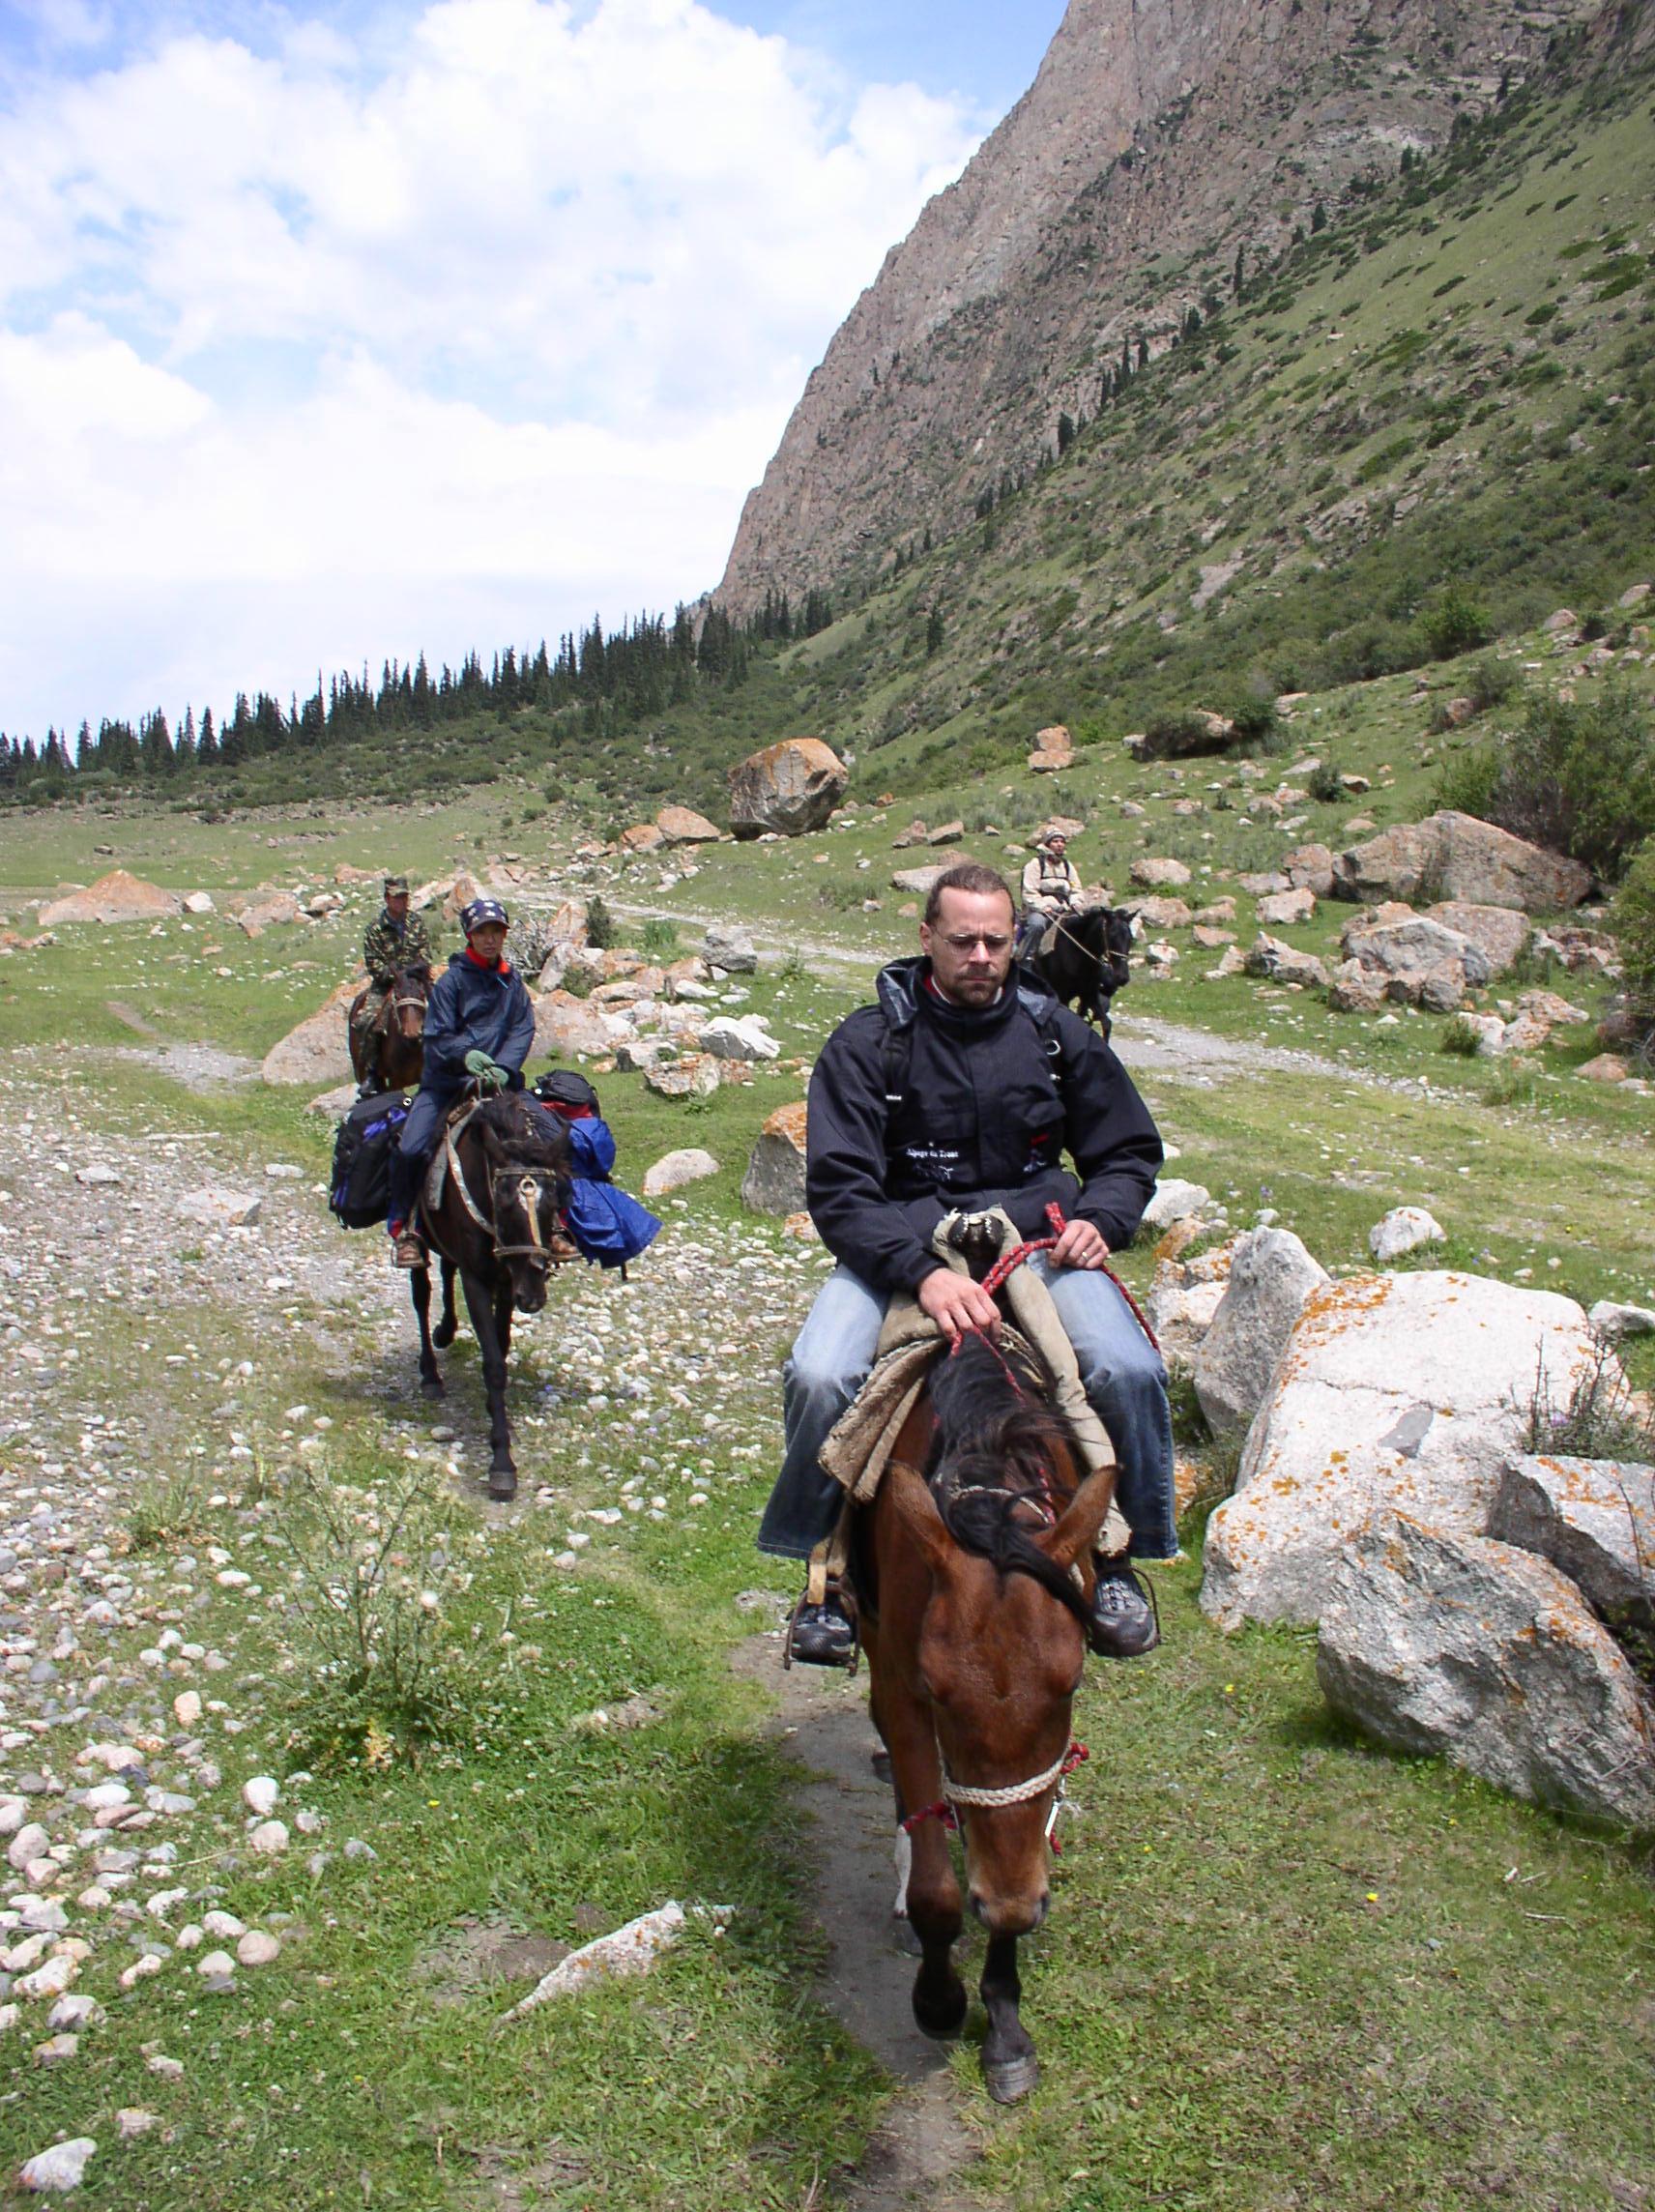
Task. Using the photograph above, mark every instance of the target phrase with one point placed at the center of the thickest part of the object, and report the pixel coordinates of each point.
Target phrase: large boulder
(1594, 1519)
(775, 1180)
(1455, 856)
(1271, 1275)
(317, 1053)
(115, 897)
(673, 1169)
(1418, 961)
(1284, 963)
(262, 909)
(1054, 751)
(920, 881)
(1310, 869)
(791, 788)
(1159, 873)
(1395, 1394)
(1498, 932)
(730, 949)
(744, 1037)
(1434, 1641)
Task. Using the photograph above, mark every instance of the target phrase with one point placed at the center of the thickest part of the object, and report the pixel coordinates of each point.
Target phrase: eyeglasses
(994, 945)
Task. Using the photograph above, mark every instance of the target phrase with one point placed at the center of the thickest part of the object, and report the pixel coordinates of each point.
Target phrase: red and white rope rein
(956, 1793)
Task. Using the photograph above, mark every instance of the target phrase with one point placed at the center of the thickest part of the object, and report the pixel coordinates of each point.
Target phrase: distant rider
(1051, 888)
(393, 940)
(479, 1021)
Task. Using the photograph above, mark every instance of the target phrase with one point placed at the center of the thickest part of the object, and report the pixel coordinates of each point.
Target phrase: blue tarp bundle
(605, 1221)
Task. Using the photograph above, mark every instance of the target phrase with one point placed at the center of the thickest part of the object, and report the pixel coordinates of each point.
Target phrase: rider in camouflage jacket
(393, 941)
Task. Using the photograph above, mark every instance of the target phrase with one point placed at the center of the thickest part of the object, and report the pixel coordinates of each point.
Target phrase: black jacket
(982, 1122)
(475, 1009)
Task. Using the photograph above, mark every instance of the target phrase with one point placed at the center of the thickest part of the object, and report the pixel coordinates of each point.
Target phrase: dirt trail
(924, 2153)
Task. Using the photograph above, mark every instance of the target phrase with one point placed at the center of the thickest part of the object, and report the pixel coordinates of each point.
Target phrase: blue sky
(336, 335)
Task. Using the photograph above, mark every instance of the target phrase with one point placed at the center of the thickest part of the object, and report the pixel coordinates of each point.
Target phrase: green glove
(488, 1072)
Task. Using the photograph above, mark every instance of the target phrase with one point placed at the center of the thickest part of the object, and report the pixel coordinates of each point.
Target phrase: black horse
(498, 1223)
(1082, 959)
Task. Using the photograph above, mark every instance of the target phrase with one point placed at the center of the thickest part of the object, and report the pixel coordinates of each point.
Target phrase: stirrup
(840, 1594)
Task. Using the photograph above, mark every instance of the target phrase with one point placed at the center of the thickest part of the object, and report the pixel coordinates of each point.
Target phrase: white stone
(218, 1208)
(29, 1842)
(257, 1949)
(132, 2121)
(1271, 1275)
(60, 2169)
(223, 1925)
(187, 1709)
(1437, 1642)
(14, 1812)
(1404, 1229)
(1396, 1394)
(673, 1169)
(76, 2012)
(49, 1980)
(269, 1839)
(1616, 1321)
(261, 1794)
(214, 1963)
(1174, 1199)
(740, 1038)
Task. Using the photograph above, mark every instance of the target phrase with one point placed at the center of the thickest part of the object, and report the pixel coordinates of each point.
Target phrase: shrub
(1455, 625)
(1461, 1037)
(1632, 917)
(1325, 785)
(1579, 778)
(1490, 683)
(1256, 722)
(600, 925)
(1466, 784)
(657, 940)
(1179, 736)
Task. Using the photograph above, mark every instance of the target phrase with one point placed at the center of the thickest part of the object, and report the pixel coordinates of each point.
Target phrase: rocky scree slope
(1156, 141)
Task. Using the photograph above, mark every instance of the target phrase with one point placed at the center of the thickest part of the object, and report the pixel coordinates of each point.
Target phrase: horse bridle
(530, 1185)
(1106, 960)
(956, 1794)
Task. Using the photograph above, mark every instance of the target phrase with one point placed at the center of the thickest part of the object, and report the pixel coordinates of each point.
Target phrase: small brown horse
(498, 1226)
(974, 1571)
(393, 1052)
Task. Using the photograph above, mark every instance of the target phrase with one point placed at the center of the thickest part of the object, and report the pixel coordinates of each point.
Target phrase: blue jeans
(1121, 1372)
(417, 1142)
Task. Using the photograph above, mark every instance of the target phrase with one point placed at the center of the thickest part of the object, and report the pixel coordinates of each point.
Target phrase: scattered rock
(1310, 869)
(673, 1169)
(1437, 1641)
(1604, 1067)
(774, 1181)
(1284, 963)
(1282, 909)
(117, 897)
(132, 2121)
(630, 1950)
(218, 1207)
(257, 1949)
(261, 1795)
(270, 1839)
(1404, 1229)
(742, 1037)
(683, 826)
(1272, 1275)
(317, 1052)
(1159, 874)
(730, 949)
(1054, 751)
(1174, 1199)
(1613, 1322)
(1501, 933)
(60, 2169)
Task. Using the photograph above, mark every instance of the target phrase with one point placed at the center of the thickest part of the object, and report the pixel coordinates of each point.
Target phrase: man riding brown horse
(394, 942)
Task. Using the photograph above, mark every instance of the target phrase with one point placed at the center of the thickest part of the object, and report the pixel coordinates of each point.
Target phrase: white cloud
(527, 303)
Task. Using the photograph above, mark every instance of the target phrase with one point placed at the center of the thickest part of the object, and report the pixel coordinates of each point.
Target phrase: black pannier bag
(358, 1191)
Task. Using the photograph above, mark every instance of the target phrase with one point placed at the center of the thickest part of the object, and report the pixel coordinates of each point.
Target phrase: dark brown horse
(1084, 959)
(393, 1052)
(497, 1225)
(975, 1567)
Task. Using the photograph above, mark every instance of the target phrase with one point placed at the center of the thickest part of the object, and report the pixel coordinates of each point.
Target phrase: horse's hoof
(942, 2023)
(431, 1386)
(1008, 2080)
(503, 1482)
(442, 1337)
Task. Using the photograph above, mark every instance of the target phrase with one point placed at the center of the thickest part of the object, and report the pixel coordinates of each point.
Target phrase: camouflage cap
(396, 884)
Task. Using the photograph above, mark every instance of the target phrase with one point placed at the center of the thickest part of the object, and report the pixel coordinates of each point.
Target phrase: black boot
(1123, 1623)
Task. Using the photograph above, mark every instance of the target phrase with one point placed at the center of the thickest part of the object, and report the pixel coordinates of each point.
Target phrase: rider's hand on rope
(954, 1302)
(1081, 1244)
(490, 1075)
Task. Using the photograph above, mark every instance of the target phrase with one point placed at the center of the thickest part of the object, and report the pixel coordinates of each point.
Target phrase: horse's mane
(529, 1137)
(997, 1443)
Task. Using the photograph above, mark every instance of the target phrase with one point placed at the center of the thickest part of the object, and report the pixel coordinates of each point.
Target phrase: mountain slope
(1159, 137)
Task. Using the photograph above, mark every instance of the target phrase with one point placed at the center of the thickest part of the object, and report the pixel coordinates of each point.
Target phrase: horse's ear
(1077, 1530)
(917, 1509)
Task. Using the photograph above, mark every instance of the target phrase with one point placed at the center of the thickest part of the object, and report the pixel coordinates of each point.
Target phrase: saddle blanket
(858, 1449)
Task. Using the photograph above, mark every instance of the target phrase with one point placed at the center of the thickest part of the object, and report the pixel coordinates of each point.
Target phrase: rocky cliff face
(1159, 138)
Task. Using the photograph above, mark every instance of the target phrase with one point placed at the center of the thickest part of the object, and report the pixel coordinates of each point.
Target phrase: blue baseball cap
(481, 911)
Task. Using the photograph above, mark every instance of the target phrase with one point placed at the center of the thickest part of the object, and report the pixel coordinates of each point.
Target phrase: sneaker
(821, 1634)
(407, 1251)
(1123, 1623)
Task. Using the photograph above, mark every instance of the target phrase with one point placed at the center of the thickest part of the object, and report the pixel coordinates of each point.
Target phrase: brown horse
(497, 1225)
(975, 1567)
(393, 1052)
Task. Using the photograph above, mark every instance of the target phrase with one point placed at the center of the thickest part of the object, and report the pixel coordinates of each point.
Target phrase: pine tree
(934, 633)
(1066, 432)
